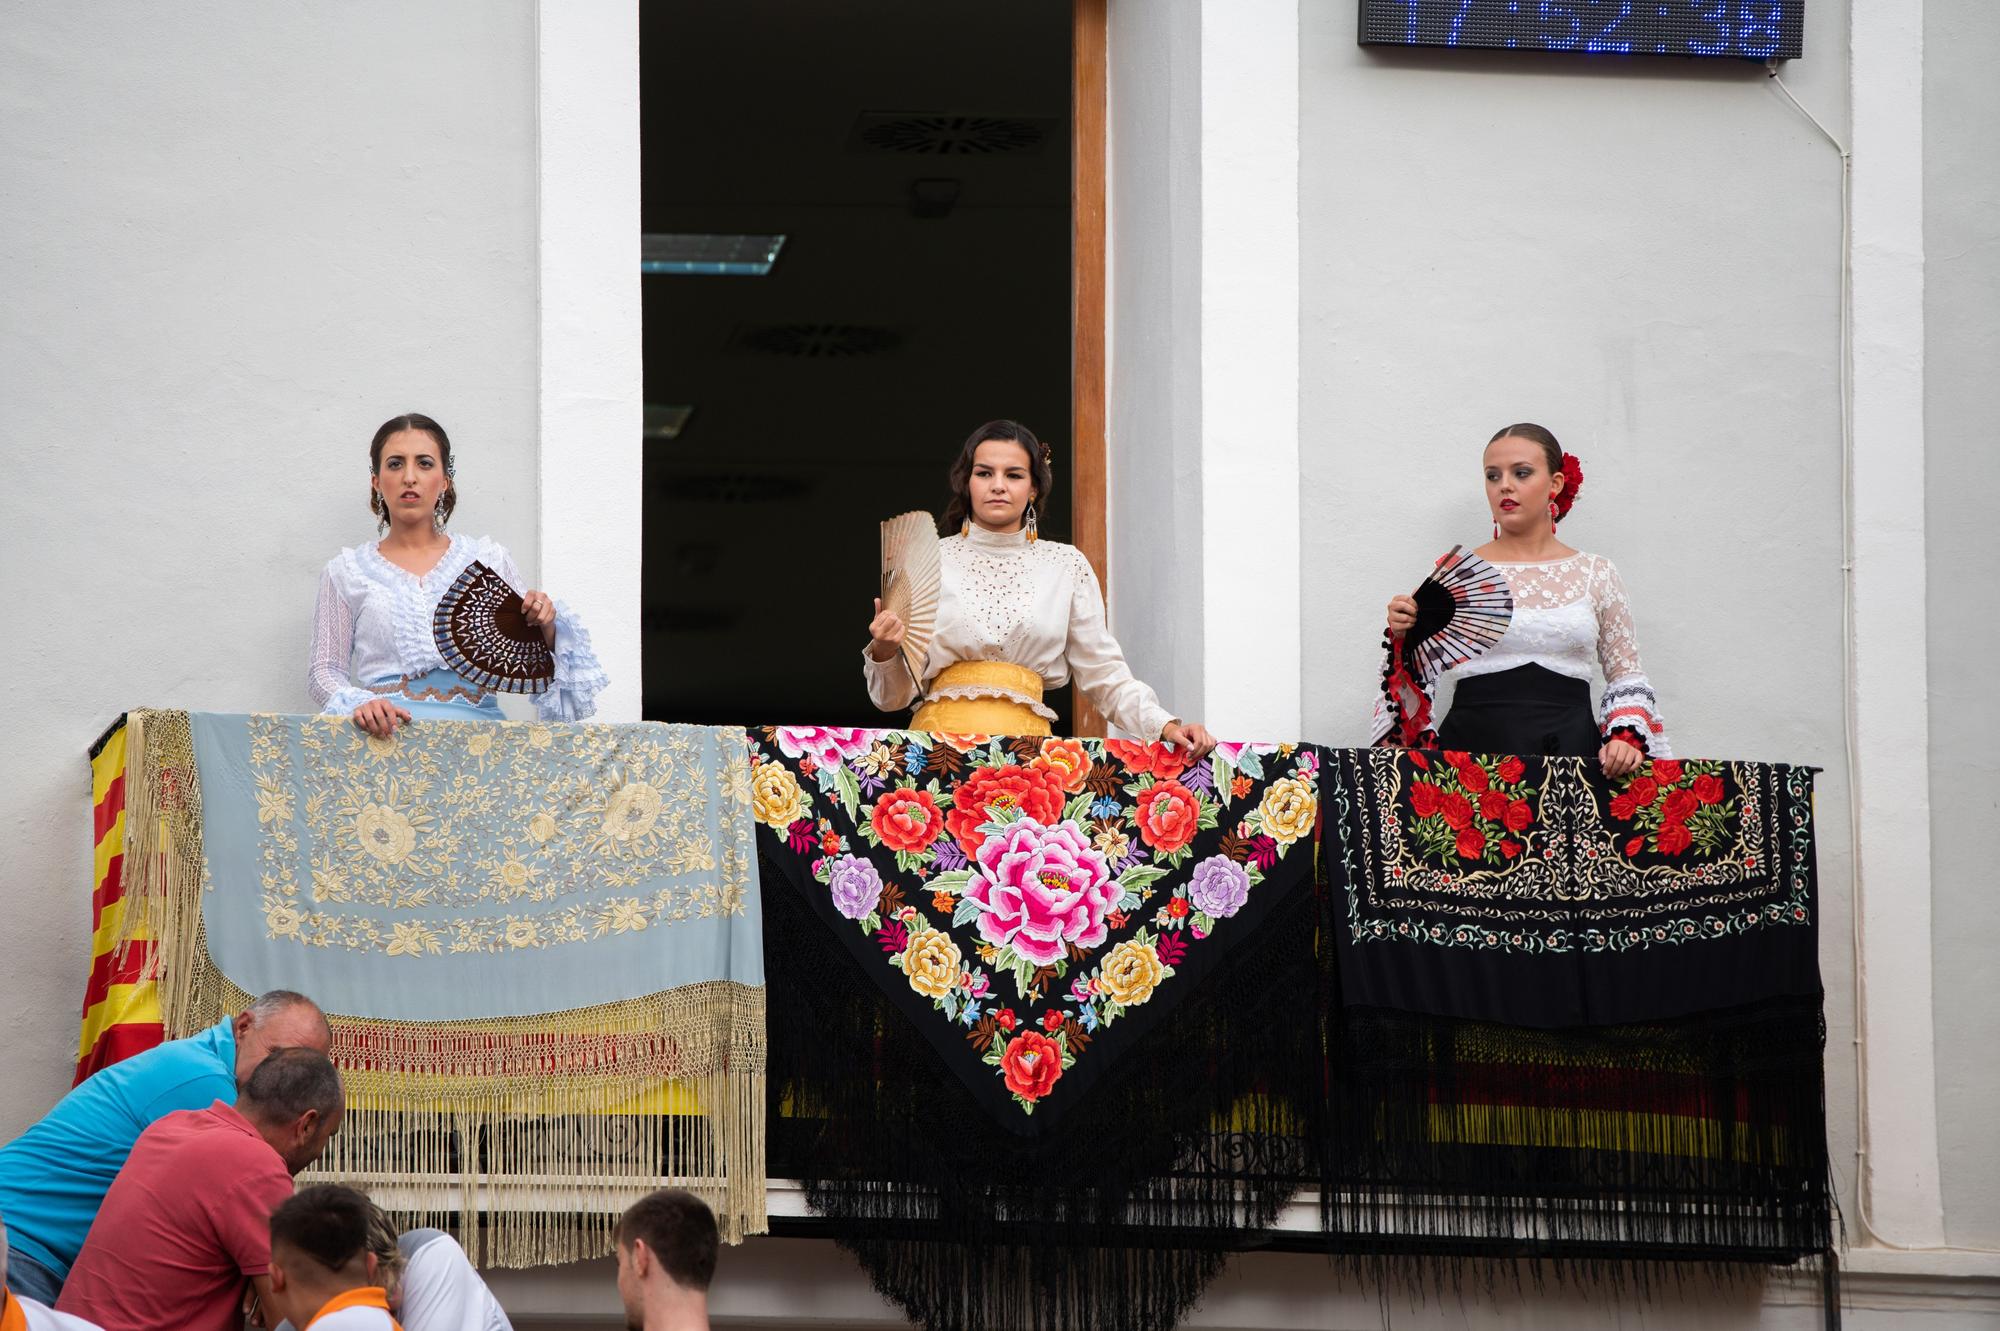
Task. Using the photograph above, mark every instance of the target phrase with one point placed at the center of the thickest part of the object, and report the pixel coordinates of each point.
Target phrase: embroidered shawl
(539, 947)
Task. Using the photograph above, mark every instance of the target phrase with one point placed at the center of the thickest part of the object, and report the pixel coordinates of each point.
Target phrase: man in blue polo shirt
(54, 1176)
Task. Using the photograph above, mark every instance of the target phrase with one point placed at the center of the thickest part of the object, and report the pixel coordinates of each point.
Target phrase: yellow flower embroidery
(523, 933)
(413, 940)
(631, 811)
(540, 737)
(931, 961)
(274, 804)
(379, 746)
(282, 921)
(1130, 973)
(329, 886)
(515, 875)
(1289, 808)
(776, 800)
(620, 917)
(540, 828)
(385, 833)
(734, 779)
(481, 742)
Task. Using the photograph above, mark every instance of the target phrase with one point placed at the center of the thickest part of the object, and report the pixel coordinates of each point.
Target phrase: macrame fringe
(529, 1136)
(1617, 1155)
(1205, 1128)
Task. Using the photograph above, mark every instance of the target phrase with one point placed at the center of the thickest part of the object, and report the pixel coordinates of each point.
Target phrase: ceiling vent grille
(945, 135)
(818, 341)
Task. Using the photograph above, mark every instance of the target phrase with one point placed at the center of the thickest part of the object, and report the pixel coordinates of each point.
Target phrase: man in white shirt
(20, 1313)
(666, 1258)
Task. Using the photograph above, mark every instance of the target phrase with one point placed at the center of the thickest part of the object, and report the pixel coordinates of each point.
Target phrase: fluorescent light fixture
(665, 422)
(681, 254)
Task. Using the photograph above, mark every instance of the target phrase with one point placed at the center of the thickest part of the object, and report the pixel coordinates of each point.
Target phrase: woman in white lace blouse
(1530, 692)
(1016, 614)
(373, 654)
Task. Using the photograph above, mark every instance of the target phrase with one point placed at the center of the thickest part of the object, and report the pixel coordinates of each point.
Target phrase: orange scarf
(13, 1317)
(367, 1296)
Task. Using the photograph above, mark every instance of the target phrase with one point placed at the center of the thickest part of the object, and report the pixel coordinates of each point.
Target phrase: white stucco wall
(1961, 481)
(1644, 256)
(237, 237)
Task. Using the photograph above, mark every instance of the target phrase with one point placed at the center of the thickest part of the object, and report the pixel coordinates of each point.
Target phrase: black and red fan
(1463, 608)
(482, 631)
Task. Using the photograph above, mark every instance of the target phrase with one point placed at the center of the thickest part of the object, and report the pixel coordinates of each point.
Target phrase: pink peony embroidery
(1041, 889)
(829, 746)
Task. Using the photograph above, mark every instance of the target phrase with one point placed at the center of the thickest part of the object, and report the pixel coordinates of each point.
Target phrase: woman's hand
(1402, 614)
(885, 633)
(1193, 737)
(380, 717)
(1620, 758)
(540, 611)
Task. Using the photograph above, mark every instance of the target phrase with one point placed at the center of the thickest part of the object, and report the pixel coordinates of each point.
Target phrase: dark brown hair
(328, 1222)
(960, 508)
(679, 1230)
(413, 420)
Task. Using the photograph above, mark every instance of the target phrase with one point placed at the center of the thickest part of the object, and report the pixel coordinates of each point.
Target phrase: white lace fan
(910, 580)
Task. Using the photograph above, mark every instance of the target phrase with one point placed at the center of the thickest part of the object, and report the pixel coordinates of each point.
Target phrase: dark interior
(916, 156)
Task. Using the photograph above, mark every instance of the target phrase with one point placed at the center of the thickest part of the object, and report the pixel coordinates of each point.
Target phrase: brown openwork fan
(482, 632)
(910, 580)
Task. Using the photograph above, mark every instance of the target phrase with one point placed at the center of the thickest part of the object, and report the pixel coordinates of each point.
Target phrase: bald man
(53, 1177)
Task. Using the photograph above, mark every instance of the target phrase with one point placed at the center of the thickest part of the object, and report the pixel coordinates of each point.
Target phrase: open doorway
(916, 158)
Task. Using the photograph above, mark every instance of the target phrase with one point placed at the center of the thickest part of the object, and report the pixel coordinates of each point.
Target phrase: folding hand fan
(482, 632)
(910, 580)
(1462, 609)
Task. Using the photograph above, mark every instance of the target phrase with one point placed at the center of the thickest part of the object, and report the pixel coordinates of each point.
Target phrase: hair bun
(1572, 471)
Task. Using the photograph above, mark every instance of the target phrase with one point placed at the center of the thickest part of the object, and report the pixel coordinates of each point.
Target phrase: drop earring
(1030, 524)
(1496, 529)
(1552, 517)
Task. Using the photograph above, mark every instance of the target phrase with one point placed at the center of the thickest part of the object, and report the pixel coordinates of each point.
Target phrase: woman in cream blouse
(1016, 615)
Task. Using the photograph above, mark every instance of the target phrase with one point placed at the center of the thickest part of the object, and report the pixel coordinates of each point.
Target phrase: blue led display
(1735, 29)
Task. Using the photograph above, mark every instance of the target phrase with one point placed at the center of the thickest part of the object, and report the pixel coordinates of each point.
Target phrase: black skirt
(1529, 710)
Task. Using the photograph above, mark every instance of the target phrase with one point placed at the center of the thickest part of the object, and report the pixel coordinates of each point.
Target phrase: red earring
(1496, 529)
(1552, 517)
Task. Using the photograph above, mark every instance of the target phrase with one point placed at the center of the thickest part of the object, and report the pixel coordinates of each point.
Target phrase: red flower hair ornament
(1572, 472)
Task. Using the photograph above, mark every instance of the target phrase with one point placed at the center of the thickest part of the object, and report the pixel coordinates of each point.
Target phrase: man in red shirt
(188, 1219)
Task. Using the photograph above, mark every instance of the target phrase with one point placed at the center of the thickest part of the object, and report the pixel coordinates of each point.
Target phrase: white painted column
(1203, 355)
(1905, 1202)
(592, 353)
(1250, 366)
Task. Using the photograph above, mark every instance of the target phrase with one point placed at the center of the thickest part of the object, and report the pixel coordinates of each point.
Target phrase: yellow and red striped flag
(121, 1007)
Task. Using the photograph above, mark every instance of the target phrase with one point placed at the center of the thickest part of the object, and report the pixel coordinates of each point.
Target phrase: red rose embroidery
(1510, 848)
(1031, 1065)
(1168, 816)
(1666, 771)
(1005, 1019)
(1624, 806)
(1424, 798)
(1035, 791)
(1471, 843)
(907, 820)
(1457, 757)
(1512, 770)
(1708, 789)
(1643, 791)
(1178, 907)
(1456, 810)
(1635, 845)
(1679, 806)
(1672, 838)
(1472, 777)
(1519, 816)
(1155, 759)
(1493, 806)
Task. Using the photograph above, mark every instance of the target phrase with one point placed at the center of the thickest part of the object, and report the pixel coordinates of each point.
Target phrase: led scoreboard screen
(1736, 29)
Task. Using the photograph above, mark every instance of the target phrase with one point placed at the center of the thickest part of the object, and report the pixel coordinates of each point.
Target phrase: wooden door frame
(1089, 54)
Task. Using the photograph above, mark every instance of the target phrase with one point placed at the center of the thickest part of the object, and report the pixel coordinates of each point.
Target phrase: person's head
(1001, 470)
(319, 1250)
(410, 473)
(280, 1019)
(294, 1100)
(1526, 474)
(666, 1253)
(388, 1254)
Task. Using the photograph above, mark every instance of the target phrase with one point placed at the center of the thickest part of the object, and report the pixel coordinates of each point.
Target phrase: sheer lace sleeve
(1098, 665)
(889, 684)
(580, 676)
(333, 652)
(1629, 702)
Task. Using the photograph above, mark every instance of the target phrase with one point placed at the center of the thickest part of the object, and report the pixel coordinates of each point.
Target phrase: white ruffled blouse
(1571, 617)
(1036, 604)
(373, 623)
